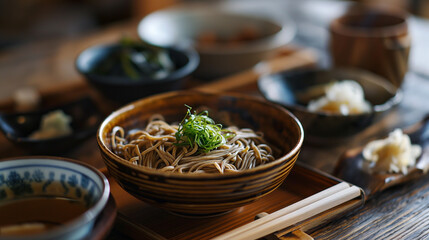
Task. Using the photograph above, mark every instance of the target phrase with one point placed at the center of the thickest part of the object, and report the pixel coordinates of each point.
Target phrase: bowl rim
(75, 223)
(287, 30)
(176, 75)
(341, 27)
(206, 176)
(397, 93)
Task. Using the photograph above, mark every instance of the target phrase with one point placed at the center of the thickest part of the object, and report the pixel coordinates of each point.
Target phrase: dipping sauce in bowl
(49, 198)
(36, 215)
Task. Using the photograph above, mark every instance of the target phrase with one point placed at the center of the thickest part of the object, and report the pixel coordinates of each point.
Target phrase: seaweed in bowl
(135, 59)
(132, 69)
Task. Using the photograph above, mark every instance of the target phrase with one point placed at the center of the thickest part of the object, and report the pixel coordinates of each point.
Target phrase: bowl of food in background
(53, 130)
(227, 38)
(331, 103)
(200, 154)
(132, 69)
(50, 198)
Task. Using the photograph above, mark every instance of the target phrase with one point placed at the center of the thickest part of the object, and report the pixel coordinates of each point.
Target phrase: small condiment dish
(18, 127)
(119, 87)
(351, 168)
(38, 188)
(295, 89)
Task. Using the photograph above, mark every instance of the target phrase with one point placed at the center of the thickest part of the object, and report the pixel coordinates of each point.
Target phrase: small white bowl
(183, 25)
(32, 177)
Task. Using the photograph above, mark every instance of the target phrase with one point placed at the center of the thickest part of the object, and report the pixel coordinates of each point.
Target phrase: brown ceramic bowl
(205, 193)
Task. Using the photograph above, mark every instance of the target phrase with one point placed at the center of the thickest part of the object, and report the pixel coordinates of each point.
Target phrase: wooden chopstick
(296, 59)
(291, 208)
(294, 213)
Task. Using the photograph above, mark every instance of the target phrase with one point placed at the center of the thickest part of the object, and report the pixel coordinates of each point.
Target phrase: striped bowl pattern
(204, 194)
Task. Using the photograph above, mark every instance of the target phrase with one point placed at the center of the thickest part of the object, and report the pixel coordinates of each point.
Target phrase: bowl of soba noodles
(200, 154)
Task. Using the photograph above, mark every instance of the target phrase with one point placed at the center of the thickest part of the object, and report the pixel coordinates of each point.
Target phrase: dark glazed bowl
(291, 89)
(204, 194)
(85, 116)
(123, 89)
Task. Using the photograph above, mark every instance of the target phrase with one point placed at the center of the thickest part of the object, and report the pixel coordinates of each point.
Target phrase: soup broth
(35, 215)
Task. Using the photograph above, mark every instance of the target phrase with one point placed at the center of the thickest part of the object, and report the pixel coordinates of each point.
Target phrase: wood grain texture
(148, 222)
(372, 38)
(398, 213)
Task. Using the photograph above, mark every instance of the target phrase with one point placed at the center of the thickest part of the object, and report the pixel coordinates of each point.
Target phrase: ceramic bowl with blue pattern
(33, 192)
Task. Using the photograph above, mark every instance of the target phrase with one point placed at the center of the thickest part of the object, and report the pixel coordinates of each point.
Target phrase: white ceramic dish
(183, 25)
(30, 177)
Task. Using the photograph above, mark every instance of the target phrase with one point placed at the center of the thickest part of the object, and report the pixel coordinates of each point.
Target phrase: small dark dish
(120, 87)
(291, 89)
(17, 127)
(350, 165)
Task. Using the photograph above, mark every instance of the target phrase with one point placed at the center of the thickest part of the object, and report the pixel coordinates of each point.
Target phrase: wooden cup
(374, 39)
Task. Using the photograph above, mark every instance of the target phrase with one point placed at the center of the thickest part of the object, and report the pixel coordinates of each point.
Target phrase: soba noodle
(156, 147)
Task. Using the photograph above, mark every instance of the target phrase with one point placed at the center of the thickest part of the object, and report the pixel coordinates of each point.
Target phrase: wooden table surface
(401, 212)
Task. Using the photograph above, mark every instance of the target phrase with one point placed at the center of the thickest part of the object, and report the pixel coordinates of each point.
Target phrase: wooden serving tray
(138, 220)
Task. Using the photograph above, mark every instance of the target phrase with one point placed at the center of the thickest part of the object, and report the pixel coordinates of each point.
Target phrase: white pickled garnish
(344, 97)
(54, 124)
(394, 154)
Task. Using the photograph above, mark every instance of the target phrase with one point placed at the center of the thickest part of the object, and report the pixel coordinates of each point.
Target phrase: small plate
(350, 165)
(85, 116)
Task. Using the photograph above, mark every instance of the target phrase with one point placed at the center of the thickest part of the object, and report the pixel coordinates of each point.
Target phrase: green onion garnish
(200, 129)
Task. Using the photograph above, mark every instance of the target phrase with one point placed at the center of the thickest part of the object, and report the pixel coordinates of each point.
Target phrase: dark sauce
(36, 215)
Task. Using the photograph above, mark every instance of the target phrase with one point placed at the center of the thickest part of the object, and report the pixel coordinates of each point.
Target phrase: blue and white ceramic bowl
(30, 177)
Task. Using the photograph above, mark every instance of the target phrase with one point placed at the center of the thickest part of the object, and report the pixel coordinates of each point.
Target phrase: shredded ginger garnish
(344, 97)
(394, 154)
